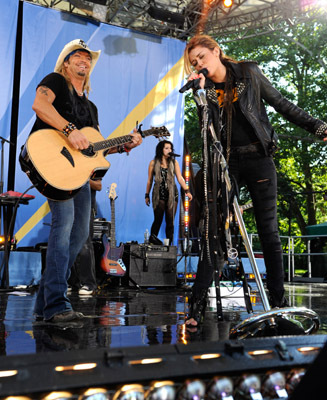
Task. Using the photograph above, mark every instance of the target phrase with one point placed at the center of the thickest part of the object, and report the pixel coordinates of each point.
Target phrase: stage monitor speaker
(150, 265)
(165, 15)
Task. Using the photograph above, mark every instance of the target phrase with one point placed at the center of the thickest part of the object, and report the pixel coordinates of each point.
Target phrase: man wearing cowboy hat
(60, 103)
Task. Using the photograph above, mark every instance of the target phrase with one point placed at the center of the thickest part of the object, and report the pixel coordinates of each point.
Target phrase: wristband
(123, 149)
(127, 149)
(321, 131)
(147, 195)
(68, 129)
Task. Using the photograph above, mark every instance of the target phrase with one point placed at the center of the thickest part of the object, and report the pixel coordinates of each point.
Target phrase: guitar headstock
(112, 191)
(160, 132)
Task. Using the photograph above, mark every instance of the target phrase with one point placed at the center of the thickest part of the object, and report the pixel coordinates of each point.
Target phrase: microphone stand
(250, 326)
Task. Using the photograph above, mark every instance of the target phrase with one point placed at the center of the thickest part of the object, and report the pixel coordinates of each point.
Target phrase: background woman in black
(235, 91)
(163, 168)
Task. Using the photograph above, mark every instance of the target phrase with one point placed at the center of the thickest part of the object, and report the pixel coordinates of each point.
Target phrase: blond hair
(86, 85)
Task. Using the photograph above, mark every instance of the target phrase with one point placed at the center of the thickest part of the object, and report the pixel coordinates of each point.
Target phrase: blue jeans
(69, 231)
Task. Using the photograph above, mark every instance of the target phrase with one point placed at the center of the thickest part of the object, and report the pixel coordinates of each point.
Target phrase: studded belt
(248, 148)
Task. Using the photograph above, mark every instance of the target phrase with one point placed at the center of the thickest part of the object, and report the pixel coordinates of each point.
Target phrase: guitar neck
(113, 225)
(118, 141)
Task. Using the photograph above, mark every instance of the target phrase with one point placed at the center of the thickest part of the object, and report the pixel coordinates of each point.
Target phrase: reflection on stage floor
(125, 316)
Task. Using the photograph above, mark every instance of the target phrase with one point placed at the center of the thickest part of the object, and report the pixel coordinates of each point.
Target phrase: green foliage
(192, 129)
(294, 59)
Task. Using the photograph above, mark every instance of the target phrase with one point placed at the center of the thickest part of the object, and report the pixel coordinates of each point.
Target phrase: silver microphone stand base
(277, 322)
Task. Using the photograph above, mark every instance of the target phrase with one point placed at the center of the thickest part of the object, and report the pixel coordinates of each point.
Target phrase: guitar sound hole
(89, 152)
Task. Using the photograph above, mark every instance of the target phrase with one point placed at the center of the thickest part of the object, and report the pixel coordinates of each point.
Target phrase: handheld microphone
(188, 85)
(174, 155)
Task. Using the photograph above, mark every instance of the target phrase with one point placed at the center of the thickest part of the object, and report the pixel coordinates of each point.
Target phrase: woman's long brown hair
(209, 43)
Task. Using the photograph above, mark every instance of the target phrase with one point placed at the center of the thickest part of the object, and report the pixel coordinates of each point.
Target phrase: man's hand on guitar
(136, 140)
(78, 140)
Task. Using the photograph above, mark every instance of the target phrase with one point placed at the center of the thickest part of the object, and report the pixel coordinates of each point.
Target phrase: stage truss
(183, 18)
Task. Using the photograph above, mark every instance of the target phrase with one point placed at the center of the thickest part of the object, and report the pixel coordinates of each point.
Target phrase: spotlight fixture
(308, 349)
(6, 374)
(293, 379)
(95, 394)
(101, 2)
(145, 361)
(130, 392)
(87, 3)
(220, 388)
(264, 354)
(164, 390)
(207, 356)
(249, 387)
(192, 390)
(227, 3)
(165, 15)
(17, 398)
(75, 367)
(273, 386)
(58, 396)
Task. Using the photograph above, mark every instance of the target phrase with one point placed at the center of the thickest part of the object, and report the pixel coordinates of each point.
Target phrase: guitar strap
(94, 120)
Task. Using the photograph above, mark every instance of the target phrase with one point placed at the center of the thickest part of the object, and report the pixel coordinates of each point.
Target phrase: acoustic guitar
(111, 261)
(58, 170)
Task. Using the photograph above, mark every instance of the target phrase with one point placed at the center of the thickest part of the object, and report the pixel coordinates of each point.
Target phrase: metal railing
(289, 251)
(291, 254)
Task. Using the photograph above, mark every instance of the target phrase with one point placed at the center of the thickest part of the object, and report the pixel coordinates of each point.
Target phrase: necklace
(78, 92)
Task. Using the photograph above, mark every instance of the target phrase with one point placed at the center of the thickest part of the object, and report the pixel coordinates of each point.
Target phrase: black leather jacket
(252, 88)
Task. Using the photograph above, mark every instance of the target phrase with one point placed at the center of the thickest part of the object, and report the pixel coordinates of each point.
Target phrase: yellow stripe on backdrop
(33, 221)
(156, 95)
(162, 89)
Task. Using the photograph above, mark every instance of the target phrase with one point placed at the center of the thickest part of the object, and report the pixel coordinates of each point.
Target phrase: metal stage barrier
(264, 368)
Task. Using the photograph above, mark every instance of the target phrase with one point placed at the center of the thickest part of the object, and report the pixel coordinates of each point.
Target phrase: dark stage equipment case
(150, 265)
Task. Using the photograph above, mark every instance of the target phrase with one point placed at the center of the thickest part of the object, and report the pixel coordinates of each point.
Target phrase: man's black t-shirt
(73, 108)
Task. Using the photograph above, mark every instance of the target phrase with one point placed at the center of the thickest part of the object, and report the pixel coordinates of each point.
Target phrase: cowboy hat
(77, 44)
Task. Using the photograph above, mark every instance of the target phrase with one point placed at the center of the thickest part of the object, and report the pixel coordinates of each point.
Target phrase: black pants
(159, 212)
(258, 173)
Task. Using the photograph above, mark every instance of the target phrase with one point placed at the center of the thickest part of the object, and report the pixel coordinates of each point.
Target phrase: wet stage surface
(124, 316)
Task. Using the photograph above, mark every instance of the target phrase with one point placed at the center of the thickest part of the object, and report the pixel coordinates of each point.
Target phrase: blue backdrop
(136, 79)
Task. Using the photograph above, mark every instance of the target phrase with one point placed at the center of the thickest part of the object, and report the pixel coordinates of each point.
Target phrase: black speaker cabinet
(150, 265)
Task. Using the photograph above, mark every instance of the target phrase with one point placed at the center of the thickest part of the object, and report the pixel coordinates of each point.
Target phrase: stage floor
(122, 317)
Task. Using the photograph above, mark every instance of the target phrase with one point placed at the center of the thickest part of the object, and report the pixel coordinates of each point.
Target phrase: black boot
(277, 301)
(155, 240)
(197, 307)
